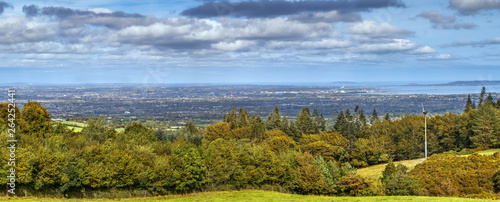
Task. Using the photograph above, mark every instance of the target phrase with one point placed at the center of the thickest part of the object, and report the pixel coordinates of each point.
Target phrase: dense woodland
(249, 152)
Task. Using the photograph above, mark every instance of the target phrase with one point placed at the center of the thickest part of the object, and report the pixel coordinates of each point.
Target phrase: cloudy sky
(260, 41)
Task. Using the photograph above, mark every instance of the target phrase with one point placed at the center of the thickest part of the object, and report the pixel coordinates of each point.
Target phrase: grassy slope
(488, 152)
(375, 171)
(72, 123)
(77, 127)
(261, 196)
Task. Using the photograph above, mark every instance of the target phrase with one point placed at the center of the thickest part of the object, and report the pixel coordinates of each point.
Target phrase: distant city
(208, 103)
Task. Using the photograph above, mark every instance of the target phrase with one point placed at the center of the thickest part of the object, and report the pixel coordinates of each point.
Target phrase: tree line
(241, 152)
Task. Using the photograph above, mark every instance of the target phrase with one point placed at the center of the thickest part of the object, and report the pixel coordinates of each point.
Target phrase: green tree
(294, 132)
(466, 129)
(397, 183)
(243, 118)
(139, 133)
(273, 121)
(96, 130)
(190, 128)
(319, 122)
(468, 104)
(374, 117)
(387, 117)
(304, 122)
(489, 99)
(482, 96)
(486, 127)
(284, 125)
(340, 123)
(257, 128)
(231, 118)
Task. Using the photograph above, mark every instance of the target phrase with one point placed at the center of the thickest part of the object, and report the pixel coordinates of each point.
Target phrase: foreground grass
(259, 196)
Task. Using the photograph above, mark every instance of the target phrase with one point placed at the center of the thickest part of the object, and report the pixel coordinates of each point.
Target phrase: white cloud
(424, 50)
(397, 45)
(202, 41)
(322, 44)
(234, 46)
(179, 33)
(99, 10)
(375, 29)
(443, 56)
(20, 29)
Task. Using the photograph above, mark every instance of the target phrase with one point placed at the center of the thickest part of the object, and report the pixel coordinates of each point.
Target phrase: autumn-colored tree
(218, 130)
(35, 119)
(5, 118)
(278, 141)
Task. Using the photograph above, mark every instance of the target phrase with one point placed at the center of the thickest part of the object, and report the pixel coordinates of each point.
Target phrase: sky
(260, 41)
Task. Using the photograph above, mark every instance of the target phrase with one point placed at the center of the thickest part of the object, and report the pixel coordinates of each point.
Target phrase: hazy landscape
(250, 100)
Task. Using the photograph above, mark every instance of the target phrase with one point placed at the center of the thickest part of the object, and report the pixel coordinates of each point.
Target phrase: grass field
(259, 196)
(374, 172)
(488, 152)
(72, 123)
(77, 127)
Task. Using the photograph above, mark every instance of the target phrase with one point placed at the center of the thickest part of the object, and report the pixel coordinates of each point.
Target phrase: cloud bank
(472, 7)
(267, 8)
(445, 22)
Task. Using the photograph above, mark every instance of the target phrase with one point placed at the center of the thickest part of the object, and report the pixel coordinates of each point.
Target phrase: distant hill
(470, 83)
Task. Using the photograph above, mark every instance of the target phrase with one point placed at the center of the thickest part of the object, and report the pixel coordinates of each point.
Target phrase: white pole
(425, 117)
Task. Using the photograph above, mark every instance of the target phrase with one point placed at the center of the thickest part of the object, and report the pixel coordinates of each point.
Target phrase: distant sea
(435, 90)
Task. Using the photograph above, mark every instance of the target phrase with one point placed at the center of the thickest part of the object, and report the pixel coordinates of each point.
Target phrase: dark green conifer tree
(362, 118)
(489, 99)
(482, 96)
(294, 132)
(273, 121)
(387, 117)
(315, 118)
(468, 104)
(321, 123)
(257, 127)
(304, 122)
(190, 128)
(340, 122)
(243, 118)
(374, 117)
(284, 125)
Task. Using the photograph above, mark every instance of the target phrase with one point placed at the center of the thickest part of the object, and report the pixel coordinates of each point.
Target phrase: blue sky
(111, 41)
